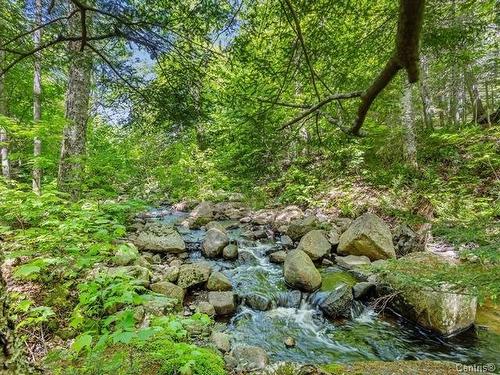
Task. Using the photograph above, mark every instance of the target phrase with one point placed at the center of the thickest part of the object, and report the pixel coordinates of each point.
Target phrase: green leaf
(26, 270)
(84, 341)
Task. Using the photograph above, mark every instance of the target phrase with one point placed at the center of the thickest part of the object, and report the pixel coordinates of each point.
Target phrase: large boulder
(161, 239)
(443, 308)
(193, 274)
(223, 302)
(300, 272)
(218, 282)
(315, 244)
(215, 241)
(249, 358)
(201, 214)
(299, 227)
(338, 302)
(368, 235)
(169, 289)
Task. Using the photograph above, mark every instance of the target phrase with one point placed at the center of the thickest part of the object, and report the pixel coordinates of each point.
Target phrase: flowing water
(366, 336)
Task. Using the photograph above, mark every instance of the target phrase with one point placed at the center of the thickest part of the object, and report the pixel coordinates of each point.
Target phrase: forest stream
(294, 329)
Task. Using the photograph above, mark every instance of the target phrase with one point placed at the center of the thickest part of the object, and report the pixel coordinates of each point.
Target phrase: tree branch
(118, 74)
(298, 31)
(406, 55)
(320, 104)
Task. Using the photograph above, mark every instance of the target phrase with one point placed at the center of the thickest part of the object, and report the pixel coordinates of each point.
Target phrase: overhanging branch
(320, 104)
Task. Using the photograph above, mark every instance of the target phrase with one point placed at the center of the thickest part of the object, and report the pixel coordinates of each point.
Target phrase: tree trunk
(37, 92)
(4, 148)
(478, 110)
(77, 104)
(409, 127)
(405, 56)
(425, 95)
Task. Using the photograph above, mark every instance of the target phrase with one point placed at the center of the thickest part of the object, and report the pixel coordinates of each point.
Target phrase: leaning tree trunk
(37, 92)
(77, 105)
(409, 127)
(4, 148)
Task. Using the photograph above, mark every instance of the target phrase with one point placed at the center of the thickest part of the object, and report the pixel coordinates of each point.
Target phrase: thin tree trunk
(4, 140)
(77, 105)
(478, 109)
(425, 95)
(409, 127)
(37, 92)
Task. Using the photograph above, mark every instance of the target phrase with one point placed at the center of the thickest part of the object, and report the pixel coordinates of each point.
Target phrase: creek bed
(368, 335)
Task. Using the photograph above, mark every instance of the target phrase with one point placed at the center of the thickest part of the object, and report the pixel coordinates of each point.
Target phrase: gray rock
(258, 302)
(286, 241)
(250, 358)
(406, 241)
(230, 252)
(368, 235)
(289, 342)
(193, 274)
(315, 244)
(201, 214)
(159, 305)
(206, 308)
(277, 257)
(342, 223)
(338, 302)
(125, 254)
(169, 289)
(442, 309)
(263, 217)
(142, 262)
(334, 235)
(300, 272)
(221, 341)
(298, 228)
(215, 241)
(218, 282)
(171, 274)
(223, 302)
(216, 225)
(287, 215)
(141, 275)
(168, 241)
(351, 261)
(362, 289)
